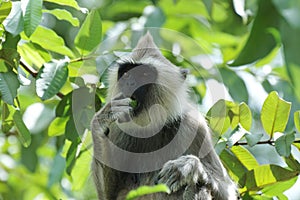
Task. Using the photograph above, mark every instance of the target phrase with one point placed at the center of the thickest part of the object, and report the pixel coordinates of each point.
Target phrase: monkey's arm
(106, 179)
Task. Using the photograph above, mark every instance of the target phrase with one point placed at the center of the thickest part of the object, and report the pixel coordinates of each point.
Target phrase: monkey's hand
(118, 109)
(183, 172)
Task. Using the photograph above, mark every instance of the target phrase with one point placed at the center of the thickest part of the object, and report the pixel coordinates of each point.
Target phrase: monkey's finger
(121, 102)
(120, 109)
(119, 96)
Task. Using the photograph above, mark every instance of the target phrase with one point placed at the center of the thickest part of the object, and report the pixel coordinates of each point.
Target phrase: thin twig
(34, 74)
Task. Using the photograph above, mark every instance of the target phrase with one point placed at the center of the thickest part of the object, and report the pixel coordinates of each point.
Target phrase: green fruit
(133, 103)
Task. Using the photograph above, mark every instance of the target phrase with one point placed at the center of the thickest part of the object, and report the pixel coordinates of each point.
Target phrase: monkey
(161, 138)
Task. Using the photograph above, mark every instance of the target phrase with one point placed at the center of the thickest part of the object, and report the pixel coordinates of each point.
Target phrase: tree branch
(270, 142)
(34, 74)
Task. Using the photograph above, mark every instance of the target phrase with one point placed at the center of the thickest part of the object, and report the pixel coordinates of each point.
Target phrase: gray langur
(162, 138)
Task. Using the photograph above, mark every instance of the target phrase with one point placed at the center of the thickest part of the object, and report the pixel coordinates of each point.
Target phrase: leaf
(11, 57)
(33, 54)
(63, 15)
(71, 156)
(240, 114)
(57, 127)
(144, 190)
(265, 175)
(57, 170)
(49, 40)
(279, 188)
(14, 22)
(236, 85)
(51, 79)
(292, 162)
(71, 130)
(236, 135)
(23, 132)
(5, 8)
(260, 34)
(253, 139)
(245, 157)
(79, 173)
(90, 33)
(297, 120)
(232, 163)
(64, 107)
(217, 117)
(155, 18)
(32, 14)
(7, 120)
(9, 85)
(283, 144)
(289, 10)
(70, 3)
(274, 114)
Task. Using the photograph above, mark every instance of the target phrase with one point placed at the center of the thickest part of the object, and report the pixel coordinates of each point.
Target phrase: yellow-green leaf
(265, 175)
(144, 190)
(70, 3)
(275, 113)
(297, 120)
(49, 40)
(5, 8)
(245, 157)
(63, 15)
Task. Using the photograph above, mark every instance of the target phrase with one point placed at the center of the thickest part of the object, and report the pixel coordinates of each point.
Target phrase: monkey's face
(136, 81)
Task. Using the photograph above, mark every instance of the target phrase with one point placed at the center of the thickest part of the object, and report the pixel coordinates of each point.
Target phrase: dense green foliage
(53, 59)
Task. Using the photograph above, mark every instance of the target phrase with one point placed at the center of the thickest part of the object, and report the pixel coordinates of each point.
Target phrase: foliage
(52, 54)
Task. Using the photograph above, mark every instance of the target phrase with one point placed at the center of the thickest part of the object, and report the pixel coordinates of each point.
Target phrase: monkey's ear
(146, 42)
(184, 73)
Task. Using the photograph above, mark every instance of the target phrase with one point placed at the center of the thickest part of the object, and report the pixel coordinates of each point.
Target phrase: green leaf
(57, 127)
(260, 34)
(236, 135)
(155, 18)
(5, 8)
(292, 162)
(253, 139)
(71, 130)
(297, 120)
(240, 114)
(90, 33)
(63, 15)
(7, 118)
(57, 170)
(144, 190)
(14, 22)
(51, 79)
(10, 57)
(245, 157)
(79, 173)
(283, 144)
(232, 163)
(274, 114)
(289, 10)
(64, 107)
(49, 40)
(71, 156)
(70, 3)
(217, 117)
(9, 85)
(32, 13)
(23, 132)
(235, 84)
(265, 175)
(33, 54)
(279, 188)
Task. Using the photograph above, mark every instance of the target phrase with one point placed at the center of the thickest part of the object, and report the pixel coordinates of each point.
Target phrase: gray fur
(196, 174)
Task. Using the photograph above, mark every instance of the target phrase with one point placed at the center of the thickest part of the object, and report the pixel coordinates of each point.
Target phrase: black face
(136, 80)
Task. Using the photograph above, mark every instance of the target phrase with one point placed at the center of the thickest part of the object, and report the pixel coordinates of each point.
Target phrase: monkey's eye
(126, 75)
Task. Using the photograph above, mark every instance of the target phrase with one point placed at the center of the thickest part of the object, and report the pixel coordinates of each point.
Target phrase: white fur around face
(172, 91)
